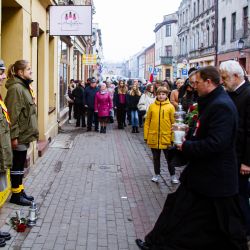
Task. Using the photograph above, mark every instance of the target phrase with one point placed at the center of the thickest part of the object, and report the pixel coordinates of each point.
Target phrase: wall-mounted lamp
(240, 44)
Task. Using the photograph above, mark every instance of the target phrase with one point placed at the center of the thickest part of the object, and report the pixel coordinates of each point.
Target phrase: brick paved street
(95, 195)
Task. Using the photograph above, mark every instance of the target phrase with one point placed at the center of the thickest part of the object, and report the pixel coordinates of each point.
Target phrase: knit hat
(2, 64)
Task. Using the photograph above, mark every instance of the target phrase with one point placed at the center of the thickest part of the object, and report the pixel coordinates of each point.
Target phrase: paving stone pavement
(95, 194)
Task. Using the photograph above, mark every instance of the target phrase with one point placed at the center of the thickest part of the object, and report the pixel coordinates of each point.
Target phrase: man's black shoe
(2, 243)
(142, 245)
(28, 197)
(5, 235)
(19, 200)
(96, 130)
(88, 129)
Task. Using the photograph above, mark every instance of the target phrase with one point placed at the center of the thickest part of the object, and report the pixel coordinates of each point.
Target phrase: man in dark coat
(204, 212)
(89, 100)
(232, 76)
(77, 94)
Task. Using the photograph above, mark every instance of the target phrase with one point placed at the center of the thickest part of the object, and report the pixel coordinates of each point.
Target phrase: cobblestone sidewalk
(93, 192)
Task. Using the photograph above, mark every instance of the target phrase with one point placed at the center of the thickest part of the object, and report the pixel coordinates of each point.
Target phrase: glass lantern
(179, 127)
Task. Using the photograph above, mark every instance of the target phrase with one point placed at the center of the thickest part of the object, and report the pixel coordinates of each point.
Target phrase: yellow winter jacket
(158, 124)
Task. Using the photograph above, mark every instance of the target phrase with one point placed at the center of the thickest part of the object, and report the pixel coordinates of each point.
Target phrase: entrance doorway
(243, 62)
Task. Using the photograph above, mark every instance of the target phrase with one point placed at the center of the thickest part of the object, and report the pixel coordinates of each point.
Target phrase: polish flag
(151, 78)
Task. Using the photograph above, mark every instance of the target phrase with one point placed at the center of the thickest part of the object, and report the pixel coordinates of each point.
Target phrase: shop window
(52, 91)
(63, 73)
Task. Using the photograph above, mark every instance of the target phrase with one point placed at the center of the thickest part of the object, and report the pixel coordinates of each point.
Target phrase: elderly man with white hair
(233, 77)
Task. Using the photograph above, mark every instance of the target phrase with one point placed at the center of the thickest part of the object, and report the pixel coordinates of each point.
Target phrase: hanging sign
(89, 59)
(70, 20)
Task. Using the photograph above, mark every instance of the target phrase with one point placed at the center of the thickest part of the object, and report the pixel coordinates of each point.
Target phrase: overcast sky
(127, 25)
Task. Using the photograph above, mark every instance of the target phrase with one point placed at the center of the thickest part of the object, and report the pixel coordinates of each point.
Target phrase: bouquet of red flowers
(18, 223)
(192, 115)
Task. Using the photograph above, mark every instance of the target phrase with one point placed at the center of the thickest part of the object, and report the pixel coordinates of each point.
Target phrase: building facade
(183, 38)
(97, 51)
(202, 33)
(234, 33)
(71, 50)
(30, 41)
(165, 46)
(196, 35)
(54, 60)
(141, 65)
(149, 61)
(134, 65)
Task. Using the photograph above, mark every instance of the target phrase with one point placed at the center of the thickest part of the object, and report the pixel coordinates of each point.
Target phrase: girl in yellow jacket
(157, 130)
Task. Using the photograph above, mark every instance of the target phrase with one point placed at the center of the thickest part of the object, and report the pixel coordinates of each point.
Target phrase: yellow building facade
(24, 35)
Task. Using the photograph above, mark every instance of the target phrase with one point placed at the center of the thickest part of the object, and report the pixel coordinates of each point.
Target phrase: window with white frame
(168, 30)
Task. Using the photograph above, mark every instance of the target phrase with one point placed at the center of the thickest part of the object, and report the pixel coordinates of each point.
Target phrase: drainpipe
(216, 30)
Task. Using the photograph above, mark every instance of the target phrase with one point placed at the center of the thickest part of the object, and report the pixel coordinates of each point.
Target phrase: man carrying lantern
(204, 212)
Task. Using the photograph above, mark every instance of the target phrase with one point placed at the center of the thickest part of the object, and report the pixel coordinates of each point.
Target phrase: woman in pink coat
(103, 105)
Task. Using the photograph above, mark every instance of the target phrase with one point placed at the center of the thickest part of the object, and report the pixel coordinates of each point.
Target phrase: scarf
(5, 111)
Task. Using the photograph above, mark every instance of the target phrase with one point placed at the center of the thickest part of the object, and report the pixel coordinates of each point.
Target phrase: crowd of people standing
(215, 151)
(210, 208)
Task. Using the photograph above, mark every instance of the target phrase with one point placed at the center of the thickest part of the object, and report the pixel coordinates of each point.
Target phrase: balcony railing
(166, 60)
(202, 51)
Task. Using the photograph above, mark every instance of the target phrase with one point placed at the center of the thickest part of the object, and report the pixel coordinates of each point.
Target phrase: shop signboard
(70, 20)
(89, 59)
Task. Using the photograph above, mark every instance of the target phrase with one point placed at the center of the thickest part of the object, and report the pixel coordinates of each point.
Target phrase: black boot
(133, 129)
(101, 130)
(18, 199)
(104, 130)
(136, 130)
(5, 236)
(27, 197)
(2, 243)
(142, 244)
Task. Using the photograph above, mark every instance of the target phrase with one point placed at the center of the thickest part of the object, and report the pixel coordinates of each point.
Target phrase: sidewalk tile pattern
(95, 195)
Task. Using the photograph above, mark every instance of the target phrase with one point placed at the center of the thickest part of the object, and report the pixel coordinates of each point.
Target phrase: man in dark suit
(233, 79)
(204, 212)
